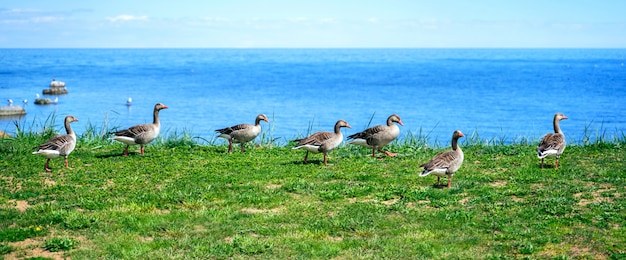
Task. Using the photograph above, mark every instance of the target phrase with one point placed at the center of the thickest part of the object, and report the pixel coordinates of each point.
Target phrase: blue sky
(313, 24)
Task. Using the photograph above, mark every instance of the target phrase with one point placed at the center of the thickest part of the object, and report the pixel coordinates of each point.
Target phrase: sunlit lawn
(185, 200)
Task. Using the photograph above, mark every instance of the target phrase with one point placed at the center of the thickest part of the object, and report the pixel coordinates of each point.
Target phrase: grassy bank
(186, 200)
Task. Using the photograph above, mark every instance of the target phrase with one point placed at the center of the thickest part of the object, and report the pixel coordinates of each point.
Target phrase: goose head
(559, 117)
(159, 106)
(457, 134)
(262, 117)
(395, 118)
(341, 123)
(70, 119)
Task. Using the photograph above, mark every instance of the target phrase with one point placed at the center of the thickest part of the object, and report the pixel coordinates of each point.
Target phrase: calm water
(497, 93)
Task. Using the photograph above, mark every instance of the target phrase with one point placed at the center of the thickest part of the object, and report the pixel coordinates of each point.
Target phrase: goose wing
(235, 128)
(59, 143)
(369, 133)
(440, 161)
(316, 139)
(135, 131)
(552, 141)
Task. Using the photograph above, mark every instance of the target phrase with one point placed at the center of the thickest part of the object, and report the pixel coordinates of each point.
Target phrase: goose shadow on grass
(109, 155)
(300, 162)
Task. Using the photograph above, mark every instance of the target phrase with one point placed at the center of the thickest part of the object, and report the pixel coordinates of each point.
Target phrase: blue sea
(495, 94)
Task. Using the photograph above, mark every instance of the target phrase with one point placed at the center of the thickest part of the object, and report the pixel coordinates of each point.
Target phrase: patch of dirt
(49, 182)
(597, 196)
(335, 239)
(391, 201)
(31, 248)
(162, 211)
(498, 184)
(20, 205)
(199, 228)
(9, 180)
(262, 211)
(273, 186)
(146, 239)
(516, 199)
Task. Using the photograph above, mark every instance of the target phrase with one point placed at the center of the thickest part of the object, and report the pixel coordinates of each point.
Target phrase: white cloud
(126, 17)
(24, 16)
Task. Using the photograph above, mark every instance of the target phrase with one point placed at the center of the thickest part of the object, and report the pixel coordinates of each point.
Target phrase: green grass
(189, 199)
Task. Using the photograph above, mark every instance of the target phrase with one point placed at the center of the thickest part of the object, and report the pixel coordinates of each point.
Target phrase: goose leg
(541, 163)
(325, 159)
(373, 152)
(449, 180)
(66, 163)
(126, 150)
(230, 145)
(306, 156)
(243, 149)
(438, 183)
(141, 150)
(46, 166)
(557, 163)
(388, 153)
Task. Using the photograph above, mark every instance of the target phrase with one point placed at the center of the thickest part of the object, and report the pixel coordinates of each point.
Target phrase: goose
(553, 144)
(242, 133)
(378, 136)
(58, 146)
(322, 142)
(445, 163)
(141, 134)
(129, 101)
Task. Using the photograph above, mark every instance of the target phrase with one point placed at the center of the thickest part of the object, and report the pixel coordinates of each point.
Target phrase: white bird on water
(129, 101)
(10, 101)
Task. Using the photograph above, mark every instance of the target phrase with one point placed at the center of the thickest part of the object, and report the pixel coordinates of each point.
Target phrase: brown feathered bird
(378, 136)
(445, 163)
(322, 142)
(141, 134)
(553, 144)
(59, 146)
(242, 133)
